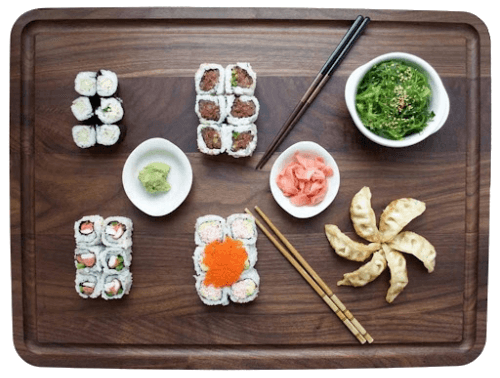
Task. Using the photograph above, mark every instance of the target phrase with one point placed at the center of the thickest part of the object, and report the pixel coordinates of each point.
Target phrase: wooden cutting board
(439, 319)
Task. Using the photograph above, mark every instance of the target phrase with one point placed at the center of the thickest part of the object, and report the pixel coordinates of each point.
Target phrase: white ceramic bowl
(284, 159)
(180, 176)
(440, 102)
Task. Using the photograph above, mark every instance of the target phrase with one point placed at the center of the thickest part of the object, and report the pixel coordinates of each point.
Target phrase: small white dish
(440, 102)
(180, 176)
(284, 159)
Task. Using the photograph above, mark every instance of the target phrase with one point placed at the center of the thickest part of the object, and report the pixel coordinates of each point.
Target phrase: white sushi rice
(234, 120)
(110, 110)
(107, 83)
(230, 89)
(218, 88)
(227, 140)
(107, 135)
(86, 83)
(218, 100)
(82, 108)
(201, 142)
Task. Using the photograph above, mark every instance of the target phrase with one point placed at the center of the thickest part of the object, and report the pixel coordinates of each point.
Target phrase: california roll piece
(82, 109)
(86, 83)
(242, 227)
(117, 232)
(240, 79)
(116, 285)
(113, 259)
(107, 83)
(209, 294)
(209, 139)
(87, 258)
(209, 79)
(242, 110)
(88, 230)
(210, 109)
(246, 288)
(209, 228)
(107, 135)
(88, 285)
(110, 110)
(240, 141)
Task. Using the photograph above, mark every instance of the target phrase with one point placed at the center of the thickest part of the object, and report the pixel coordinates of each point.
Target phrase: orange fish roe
(225, 262)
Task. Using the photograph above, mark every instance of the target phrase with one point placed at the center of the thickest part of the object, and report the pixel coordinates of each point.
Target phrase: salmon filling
(86, 228)
(85, 260)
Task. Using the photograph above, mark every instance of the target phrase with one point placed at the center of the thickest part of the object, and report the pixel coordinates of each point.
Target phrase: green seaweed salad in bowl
(397, 99)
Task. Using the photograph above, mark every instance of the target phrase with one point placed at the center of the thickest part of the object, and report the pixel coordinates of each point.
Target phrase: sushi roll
(88, 285)
(209, 228)
(86, 83)
(242, 110)
(110, 110)
(209, 139)
(84, 136)
(117, 232)
(240, 79)
(210, 109)
(87, 258)
(242, 227)
(246, 288)
(240, 141)
(116, 285)
(114, 259)
(81, 108)
(107, 83)
(88, 230)
(209, 294)
(107, 135)
(209, 79)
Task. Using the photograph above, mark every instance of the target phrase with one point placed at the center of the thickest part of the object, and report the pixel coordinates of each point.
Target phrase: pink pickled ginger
(304, 179)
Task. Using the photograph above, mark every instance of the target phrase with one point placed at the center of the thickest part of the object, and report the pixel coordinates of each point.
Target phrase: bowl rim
(441, 94)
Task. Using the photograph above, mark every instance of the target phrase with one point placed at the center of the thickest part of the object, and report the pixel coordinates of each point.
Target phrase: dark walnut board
(439, 319)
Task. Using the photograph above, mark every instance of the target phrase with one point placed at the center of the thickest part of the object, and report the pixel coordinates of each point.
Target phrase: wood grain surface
(439, 319)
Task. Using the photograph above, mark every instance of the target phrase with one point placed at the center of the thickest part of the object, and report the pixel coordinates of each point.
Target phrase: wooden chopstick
(317, 85)
(313, 279)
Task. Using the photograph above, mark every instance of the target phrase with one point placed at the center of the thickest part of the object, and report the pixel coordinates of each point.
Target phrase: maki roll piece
(110, 110)
(107, 135)
(240, 79)
(88, 230)
(116, 285)
(242, 109)
(246, 288)
(240, 141)
(210, 109)
(107, 83)
(86, 83)
(82, 108)
(209, 139)
(242, 227)
(117, 232)
(115, 259)
(209, 79)
(209, 294)
(84, 136)
(88, 285)
(198, 256)
(87, 258)
(209, 228)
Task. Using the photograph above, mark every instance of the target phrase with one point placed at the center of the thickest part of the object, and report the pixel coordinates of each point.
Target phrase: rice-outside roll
(209, 79)
(240, 79)
(211, 295)
(110, 110)
(242, 227)
(82, 109)
(116, 285)
(209, 139)
(241, 141)
(107, 83)
(86, 83)
(107, 135)
(87, 258)
(88, 285)
(88, 229)
(210, 109)
(209, 228)
(115, 259)
(246, 288)
(242, 110)
(117, 232)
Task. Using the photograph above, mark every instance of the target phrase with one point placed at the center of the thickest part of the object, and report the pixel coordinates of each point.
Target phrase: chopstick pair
(313, 279)
(317, 85)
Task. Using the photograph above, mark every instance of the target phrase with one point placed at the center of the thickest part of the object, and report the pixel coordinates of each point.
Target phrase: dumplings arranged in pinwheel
(387, 242)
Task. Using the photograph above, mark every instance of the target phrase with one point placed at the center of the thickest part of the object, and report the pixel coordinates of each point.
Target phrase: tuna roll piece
(242, 110)
(210, 109)
(209, 79)
(209, 139)
(241, 141)
(240, 79)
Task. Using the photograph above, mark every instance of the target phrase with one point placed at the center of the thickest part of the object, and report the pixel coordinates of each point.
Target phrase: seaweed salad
(393, 99)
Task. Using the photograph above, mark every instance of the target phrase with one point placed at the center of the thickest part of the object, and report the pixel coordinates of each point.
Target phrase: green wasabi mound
(154, 177)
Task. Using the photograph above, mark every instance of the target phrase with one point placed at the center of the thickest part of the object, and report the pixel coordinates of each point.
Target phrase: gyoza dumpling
(348, 248)
(412, 243)
(399, 274)
(397, 215)
(367, 273)
(363, 216)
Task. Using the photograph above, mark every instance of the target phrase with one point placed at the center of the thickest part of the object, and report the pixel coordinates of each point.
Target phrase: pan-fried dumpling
(367, 273)
(412, 243)
(397, 215)
(399, 274)
(348, 248)
(363, 216)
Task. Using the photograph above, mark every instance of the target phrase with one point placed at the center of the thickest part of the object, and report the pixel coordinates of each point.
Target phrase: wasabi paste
(154, 177)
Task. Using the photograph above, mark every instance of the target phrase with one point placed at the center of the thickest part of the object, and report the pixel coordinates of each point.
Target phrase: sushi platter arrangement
(407, 125)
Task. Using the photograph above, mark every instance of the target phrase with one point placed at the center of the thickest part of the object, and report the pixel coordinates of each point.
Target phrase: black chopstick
(318, 83)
